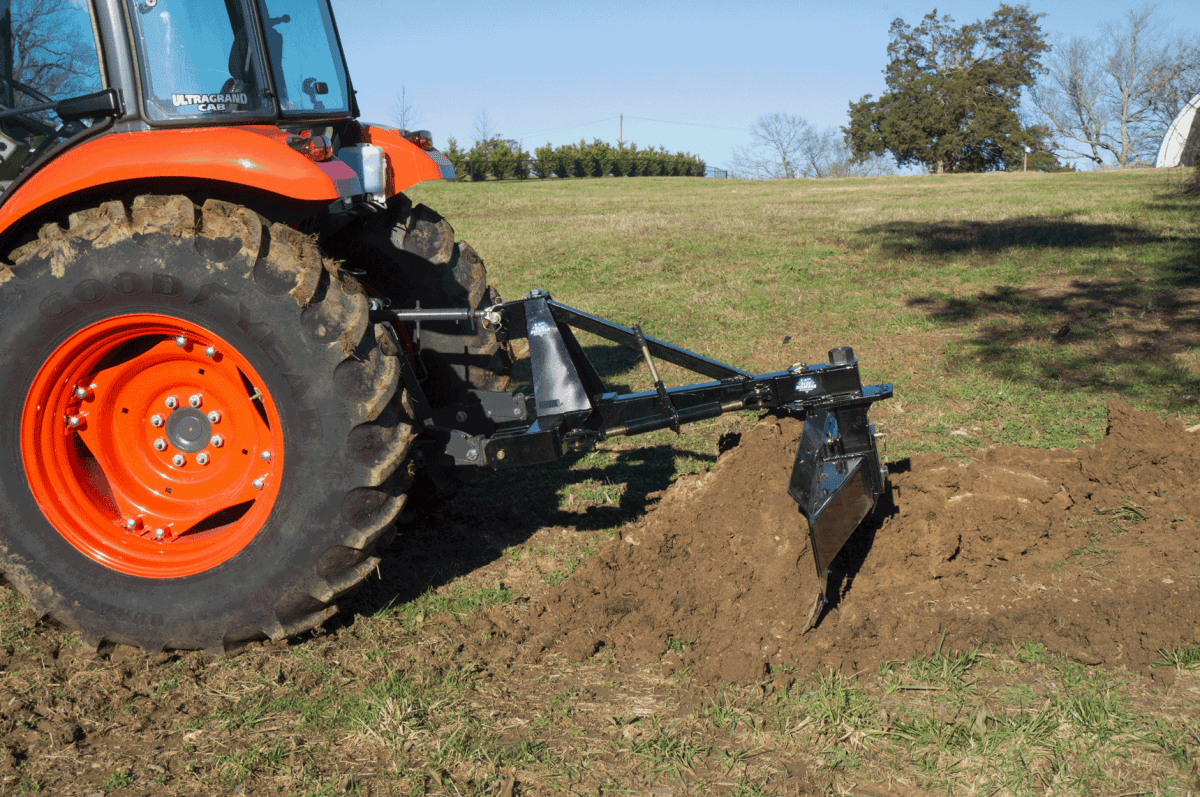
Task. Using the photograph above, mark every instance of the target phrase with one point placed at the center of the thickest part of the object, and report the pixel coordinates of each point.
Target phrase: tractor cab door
(47, 53)
(238, 61)
(306, 58)
(201, 61)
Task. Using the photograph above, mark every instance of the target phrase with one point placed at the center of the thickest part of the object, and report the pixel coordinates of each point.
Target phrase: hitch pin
(658, 384)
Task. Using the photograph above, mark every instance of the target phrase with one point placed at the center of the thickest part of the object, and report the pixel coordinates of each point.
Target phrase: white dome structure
(1181, 144)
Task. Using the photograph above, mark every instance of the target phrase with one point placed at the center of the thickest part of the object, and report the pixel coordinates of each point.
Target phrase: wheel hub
(188, 430)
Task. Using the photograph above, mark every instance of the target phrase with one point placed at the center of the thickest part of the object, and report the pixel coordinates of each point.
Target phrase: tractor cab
(238, 61)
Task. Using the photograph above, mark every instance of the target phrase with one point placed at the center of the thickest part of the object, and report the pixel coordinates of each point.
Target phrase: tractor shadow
(451, 527)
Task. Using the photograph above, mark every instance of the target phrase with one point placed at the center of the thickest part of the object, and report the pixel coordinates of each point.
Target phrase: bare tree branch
(402, 112)
(485, 128)
(785, 147)
(53, 52)
(1110, 99)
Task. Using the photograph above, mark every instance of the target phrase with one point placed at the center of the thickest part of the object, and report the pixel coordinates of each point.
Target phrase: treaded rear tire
(333, 377)
(409, 255)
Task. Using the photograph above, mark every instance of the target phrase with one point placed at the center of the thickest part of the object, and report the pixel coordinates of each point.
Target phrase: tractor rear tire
(409, 254)
(202, 436)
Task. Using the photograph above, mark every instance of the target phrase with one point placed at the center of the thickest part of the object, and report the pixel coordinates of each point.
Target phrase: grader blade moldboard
(836, 480)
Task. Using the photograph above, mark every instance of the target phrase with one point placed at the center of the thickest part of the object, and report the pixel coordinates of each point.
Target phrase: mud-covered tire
(163, 298)
(409, 254)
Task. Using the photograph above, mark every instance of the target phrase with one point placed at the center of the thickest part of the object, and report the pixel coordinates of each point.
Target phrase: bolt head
(81, 393)
(73, 421)
(217, 441)
(202, 458)
(172, 402)
(259, 482)
(156, 420)
(266, 456)
(472, 455)
(211, 351)
(196, 400)
(131, 523)
(214, 417)
(160, 445)
(178, 460)
(180, 341)
(159, 534)
(462, 417)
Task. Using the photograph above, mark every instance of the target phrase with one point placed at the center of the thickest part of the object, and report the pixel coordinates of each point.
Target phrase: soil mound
(1094, 553)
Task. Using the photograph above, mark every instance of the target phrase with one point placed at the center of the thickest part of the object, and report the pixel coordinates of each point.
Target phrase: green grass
(950, 287)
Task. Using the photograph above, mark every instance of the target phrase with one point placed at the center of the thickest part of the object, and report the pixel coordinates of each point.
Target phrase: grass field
(1007, 309)
(951, 287)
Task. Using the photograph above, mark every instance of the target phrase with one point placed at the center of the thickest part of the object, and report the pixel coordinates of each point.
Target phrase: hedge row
(504, 159)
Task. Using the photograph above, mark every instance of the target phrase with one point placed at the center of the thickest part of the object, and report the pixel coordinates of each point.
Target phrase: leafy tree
(953, 93)
(545, 161)
(457, 158)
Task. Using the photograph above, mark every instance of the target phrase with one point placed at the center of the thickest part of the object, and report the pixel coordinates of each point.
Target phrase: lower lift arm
(837, 476)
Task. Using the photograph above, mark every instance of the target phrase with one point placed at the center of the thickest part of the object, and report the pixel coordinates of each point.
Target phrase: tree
(784, 146)
(953, 93)
(52, 49)
(775, 147)
(402, 112)
(1111, 98)
(485, 128)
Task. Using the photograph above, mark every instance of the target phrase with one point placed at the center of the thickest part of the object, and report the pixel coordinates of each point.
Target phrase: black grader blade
(837, 476)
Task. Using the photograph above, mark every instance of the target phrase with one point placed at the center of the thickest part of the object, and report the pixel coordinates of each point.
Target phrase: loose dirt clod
(1090, 552)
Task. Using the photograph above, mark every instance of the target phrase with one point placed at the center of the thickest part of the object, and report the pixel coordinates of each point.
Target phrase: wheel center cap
(188, 429)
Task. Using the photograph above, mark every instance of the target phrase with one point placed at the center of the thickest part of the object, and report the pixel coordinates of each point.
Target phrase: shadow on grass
(444, 538)
(953, 238)
(1113, 334)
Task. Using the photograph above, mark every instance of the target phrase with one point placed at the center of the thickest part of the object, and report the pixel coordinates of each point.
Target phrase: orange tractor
(228, 337)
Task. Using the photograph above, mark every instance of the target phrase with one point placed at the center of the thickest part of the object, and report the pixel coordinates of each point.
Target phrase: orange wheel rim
(152, 446)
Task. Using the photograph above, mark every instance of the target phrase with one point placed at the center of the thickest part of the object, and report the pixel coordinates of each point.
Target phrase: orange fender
(410, 163)
(255, 156)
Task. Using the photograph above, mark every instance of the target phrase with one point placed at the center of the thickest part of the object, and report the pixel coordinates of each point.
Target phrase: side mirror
(100, 105)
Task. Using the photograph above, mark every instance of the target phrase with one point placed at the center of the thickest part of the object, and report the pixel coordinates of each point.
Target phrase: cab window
(48, 53)
(199, 58)
(306, 59)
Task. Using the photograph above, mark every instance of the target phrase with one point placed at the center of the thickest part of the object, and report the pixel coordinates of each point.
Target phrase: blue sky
(688, 76)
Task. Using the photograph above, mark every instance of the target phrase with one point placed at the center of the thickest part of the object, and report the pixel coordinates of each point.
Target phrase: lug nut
(159, 534)
(266, 456)
(214, 417)
(172, 402)
(180, 341)
(160, 445)
(73, 421)
(259, 482)
(196, 400)
(131, 523)
(156, 420)
(81, 393)
(202, 458)
(178, 460)
(211, 351)
(217, 441)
